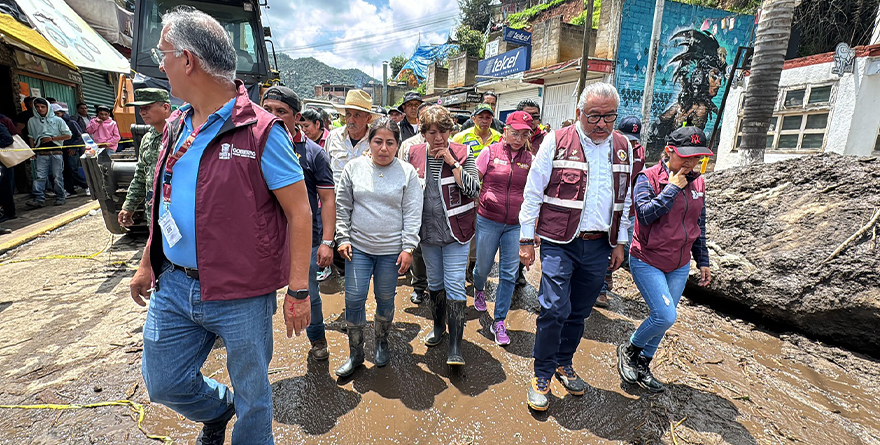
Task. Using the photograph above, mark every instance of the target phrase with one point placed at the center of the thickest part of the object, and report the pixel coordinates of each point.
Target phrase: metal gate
(507, 102)
(60, 92)
(559, 104)
(97, 90)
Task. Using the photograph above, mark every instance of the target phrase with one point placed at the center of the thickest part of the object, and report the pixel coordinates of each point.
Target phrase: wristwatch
(456, 165)
(301, 294)
(328, 242)
(409, 251)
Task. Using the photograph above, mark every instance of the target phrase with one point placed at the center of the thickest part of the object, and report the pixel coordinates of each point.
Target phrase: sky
(358, 33)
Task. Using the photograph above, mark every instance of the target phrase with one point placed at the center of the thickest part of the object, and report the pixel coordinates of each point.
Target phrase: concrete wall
(853, 120)
(438, 79)
(632, 53)
(462, 71)
(607, 36)
(554, 41)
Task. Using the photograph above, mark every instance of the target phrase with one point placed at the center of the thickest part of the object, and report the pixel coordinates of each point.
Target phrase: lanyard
(169, 164)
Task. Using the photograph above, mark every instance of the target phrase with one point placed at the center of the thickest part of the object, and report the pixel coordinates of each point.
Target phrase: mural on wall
(697, 48)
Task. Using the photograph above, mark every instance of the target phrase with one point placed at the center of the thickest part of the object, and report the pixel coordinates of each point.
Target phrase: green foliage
(520, 20)
(301, 75)
(581, 18)
(738, 6)
(470, 41)
(475, 14)
(397, 63)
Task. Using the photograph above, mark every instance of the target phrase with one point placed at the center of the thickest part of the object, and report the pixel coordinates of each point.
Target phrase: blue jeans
(572, 277)
(315, 329)
(46, 164)
(446, 266)
(178, 336)
(661, 290)
(490, 237)
(363, 266)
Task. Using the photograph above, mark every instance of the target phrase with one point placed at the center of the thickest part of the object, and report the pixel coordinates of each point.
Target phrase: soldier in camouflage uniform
(154, 107)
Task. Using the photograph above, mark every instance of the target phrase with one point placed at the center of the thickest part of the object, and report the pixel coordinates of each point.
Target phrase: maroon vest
(536, 141)
(638, 153)
(504, 183)
(460, 215)
(242, 244)
(666, 243)
(565, 193)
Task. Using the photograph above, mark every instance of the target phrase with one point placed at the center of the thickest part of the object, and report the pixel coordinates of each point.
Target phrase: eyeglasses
(158, 55)
(514, 134)
(536, 117)
(594, 118)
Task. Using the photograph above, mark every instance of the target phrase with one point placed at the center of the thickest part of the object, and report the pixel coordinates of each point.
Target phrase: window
(801, 121)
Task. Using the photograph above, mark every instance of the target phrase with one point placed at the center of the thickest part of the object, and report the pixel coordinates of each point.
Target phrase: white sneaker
(324, 273)
(88, 192)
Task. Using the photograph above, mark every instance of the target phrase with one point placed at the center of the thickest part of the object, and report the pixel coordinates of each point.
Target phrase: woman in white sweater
(378, 216)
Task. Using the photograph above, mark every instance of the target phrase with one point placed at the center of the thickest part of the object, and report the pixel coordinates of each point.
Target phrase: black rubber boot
(214, 432)
(356, 351)
(627, 362)
(455, 319)
(437, 301)
(646, 379)
(381, 326)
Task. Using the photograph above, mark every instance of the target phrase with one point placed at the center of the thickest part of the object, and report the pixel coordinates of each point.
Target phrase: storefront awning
(27, 39)
(72, 36)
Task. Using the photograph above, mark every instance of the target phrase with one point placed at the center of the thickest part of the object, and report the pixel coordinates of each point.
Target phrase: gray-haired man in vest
(577, 190)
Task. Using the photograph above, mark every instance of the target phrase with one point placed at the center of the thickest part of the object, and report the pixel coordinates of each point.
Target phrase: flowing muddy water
(69, 333)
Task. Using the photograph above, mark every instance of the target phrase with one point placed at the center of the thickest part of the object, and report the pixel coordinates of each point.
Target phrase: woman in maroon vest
(449, 175)
(670, 226)
(504, 168)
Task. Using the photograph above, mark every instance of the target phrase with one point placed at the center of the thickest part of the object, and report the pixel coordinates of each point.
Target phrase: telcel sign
(517, 36)
(502, 65)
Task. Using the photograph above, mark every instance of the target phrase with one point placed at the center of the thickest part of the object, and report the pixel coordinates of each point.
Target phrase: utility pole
(384, 83)
(875, 37)
(648, 94)
(585, 58)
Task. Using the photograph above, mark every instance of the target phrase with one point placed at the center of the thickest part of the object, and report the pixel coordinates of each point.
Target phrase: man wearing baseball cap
(154, 106)
(350, 141)
(481, 135)
(409, 126)
(395, 115)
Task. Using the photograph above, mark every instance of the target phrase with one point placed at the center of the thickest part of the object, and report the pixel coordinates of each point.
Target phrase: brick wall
(634, 39)
(462, 71)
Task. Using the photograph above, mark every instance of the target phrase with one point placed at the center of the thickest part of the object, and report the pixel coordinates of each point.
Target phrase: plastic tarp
(72, 36)
(424, 56)
(107, 19)
(28, 38)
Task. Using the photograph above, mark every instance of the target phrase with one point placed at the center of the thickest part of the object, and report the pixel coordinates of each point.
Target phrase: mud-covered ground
(70, 334)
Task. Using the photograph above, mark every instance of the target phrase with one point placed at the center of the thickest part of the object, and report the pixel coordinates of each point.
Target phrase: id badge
(169, 228)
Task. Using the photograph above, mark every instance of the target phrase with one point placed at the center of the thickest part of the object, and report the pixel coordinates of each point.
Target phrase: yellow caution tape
(136, 407)
(63, 257)
(60, 147)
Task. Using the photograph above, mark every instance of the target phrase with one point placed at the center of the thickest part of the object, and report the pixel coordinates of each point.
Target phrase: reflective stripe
(618, 207)
(448, 180)
(568, 203)
(461, 209)
(571, 164)
(617, 168)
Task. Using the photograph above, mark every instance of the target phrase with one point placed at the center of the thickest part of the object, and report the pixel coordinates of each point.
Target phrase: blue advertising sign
(516, 36)
(511, 62)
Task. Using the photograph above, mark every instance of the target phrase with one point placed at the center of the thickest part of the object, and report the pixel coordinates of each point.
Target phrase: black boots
(437, 302)
(214, 432)
(646, 379)
(455, 319)
(627, 362)
(381, 326)
(356, 351)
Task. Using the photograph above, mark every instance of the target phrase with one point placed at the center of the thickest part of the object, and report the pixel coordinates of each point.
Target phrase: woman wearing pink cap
(504, 168)
(670, 226)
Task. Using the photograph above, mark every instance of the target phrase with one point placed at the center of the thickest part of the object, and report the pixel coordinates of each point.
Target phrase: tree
(470, 41)
(397, 63)
(475, 14)
(771, 44)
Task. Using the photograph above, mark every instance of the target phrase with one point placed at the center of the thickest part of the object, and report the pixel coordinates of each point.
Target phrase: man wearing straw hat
(350, 141)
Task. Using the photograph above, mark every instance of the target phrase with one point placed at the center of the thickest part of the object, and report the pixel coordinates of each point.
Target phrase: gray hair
(190, 29)
(598, 89)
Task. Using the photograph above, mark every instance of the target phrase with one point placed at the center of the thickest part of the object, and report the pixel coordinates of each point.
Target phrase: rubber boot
(437, 301)
(381, 326)
(627, 362)
(646, 378)
(455, 319)
(356, 351)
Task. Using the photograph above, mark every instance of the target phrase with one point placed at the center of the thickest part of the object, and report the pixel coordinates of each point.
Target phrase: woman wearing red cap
(504, 168)
(670, 226)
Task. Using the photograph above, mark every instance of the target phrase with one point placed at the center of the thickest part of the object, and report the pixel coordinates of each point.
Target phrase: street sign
(511, 62)
(517, 36)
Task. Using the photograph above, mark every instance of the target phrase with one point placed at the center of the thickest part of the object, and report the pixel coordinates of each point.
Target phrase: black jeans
(7, 185)
(72, 176)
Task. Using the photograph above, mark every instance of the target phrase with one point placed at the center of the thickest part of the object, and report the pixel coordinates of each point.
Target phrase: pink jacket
(105, 132)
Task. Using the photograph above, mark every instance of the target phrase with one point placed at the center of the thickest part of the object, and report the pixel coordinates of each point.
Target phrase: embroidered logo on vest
(696, 195)
(240, 152)
(621, 154)
(225, 152)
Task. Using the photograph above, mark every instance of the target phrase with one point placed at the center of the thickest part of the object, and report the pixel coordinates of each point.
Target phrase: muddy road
(70, 334)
